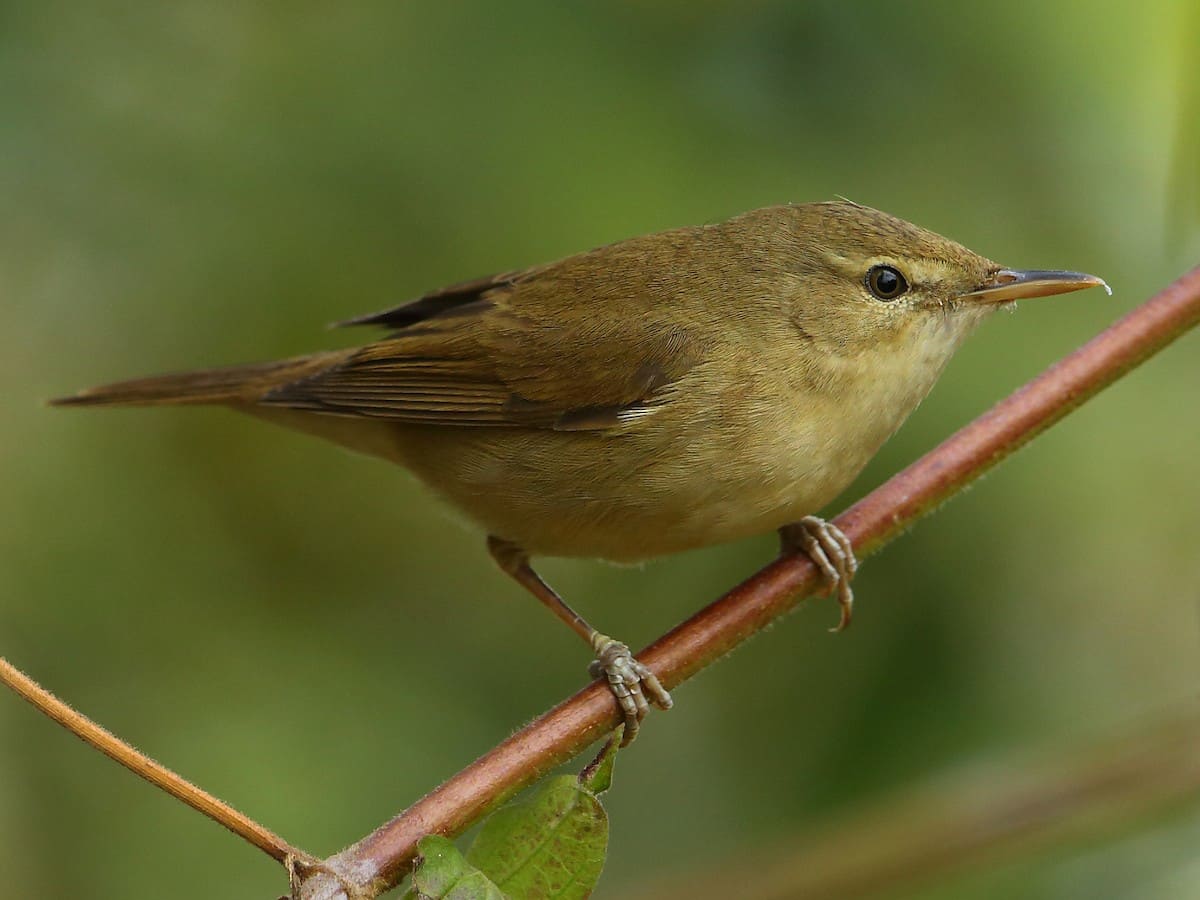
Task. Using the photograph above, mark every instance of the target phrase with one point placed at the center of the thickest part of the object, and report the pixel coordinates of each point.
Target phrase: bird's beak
(1017, 284)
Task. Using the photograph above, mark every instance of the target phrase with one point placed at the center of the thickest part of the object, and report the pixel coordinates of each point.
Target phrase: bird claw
(632, 683)
(832, 553)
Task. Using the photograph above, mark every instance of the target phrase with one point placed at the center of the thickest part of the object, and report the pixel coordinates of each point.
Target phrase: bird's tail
(233, 384)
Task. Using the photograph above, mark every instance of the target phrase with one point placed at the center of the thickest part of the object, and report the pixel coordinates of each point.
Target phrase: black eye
(885, 282)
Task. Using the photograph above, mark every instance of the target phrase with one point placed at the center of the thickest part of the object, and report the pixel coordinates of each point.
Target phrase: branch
(922, 838)
(380, 860)
(157, 774)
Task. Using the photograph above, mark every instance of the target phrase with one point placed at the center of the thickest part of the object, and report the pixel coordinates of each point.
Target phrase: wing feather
(582, 344)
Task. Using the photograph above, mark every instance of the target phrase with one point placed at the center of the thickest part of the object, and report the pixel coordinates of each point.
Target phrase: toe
(632, 684)
(659, 695)
(846, 602)
(818, 555)
(639, 700)
(847, 549)
(632, 726)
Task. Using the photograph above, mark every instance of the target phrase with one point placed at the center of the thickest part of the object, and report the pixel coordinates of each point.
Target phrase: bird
(671, 391)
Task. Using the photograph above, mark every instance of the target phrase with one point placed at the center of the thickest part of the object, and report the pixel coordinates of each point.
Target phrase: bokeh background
(312, 637)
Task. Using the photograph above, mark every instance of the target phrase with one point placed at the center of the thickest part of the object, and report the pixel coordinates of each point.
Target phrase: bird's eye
(885, 282)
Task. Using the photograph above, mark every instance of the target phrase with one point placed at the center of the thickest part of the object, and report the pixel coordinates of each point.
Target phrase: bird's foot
(831, 551)
(633, 684)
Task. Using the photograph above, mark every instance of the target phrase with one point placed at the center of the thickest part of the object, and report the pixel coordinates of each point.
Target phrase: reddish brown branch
(144, 767)
(380, 859)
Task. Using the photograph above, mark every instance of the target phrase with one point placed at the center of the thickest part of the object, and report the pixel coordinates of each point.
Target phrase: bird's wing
(525, 349)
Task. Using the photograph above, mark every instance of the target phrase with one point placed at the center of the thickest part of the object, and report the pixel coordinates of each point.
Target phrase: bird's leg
(824, 543)
(633, 685)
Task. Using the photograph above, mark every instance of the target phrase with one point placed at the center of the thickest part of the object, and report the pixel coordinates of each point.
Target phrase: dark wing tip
(79, 399)
(464, 298)
(375, 318)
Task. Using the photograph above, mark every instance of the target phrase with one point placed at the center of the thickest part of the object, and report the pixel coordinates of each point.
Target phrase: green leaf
(443, 874)
(553, 844)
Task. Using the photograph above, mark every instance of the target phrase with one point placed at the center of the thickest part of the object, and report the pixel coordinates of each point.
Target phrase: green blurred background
(313, 638)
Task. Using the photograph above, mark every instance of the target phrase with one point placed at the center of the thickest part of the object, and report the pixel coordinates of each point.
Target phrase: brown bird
(666, 392)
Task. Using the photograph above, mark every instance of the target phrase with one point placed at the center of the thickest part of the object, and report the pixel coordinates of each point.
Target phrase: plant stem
(141, 765)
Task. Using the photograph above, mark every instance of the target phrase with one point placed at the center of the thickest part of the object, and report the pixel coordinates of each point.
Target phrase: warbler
(666, 392)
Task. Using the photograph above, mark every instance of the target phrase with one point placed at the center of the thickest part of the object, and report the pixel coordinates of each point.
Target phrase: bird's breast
(700, 471)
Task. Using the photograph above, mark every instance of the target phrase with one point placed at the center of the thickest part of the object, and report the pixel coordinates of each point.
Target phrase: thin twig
(927, 835)
(144, 767)
(381, 859)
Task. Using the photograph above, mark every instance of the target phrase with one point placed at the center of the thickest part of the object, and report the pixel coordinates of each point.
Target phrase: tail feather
(232, 384)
